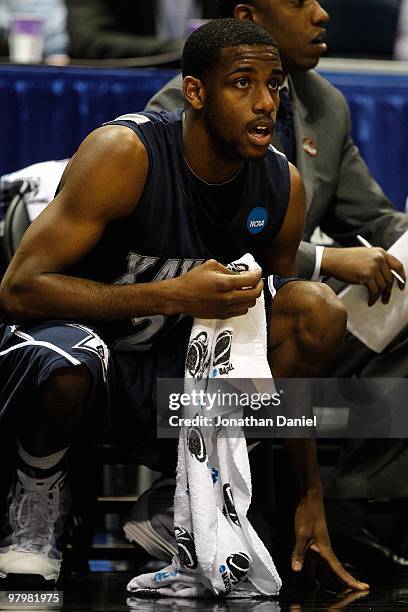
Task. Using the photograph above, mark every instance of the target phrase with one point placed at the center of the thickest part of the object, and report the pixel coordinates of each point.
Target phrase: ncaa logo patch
(257, 220)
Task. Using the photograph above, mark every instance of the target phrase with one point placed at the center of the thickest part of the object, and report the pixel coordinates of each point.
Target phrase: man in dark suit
(314, 130)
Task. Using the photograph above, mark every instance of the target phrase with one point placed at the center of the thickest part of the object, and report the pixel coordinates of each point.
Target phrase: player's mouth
(260, 133)
(319, 41)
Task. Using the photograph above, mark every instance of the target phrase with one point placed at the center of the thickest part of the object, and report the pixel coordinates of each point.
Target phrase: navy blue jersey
(170, 230)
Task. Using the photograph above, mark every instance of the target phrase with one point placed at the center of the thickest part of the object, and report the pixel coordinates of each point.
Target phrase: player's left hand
(312, 534)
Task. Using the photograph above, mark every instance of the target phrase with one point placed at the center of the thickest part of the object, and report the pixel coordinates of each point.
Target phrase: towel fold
(219, 552)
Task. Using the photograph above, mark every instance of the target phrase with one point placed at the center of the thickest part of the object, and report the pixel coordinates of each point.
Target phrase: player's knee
(69, 387)
(321, 321)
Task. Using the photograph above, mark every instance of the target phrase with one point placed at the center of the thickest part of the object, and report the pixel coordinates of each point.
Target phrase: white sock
(42, 463)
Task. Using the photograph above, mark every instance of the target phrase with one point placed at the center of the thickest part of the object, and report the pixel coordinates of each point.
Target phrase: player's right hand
(212, 291)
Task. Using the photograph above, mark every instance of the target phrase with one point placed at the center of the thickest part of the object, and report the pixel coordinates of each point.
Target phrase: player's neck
(202, 156)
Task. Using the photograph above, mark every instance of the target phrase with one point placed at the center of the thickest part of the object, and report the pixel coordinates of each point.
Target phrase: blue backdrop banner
(379, 112)
(45, 112)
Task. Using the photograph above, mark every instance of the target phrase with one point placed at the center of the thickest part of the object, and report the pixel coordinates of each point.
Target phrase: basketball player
(102, 291)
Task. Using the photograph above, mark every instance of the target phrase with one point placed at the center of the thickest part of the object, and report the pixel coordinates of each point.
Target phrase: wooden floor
(105, 591)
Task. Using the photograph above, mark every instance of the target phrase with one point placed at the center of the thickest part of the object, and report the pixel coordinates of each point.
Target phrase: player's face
(298, 29)
(241, 101)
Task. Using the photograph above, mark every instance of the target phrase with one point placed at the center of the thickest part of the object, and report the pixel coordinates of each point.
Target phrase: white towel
(219, 553)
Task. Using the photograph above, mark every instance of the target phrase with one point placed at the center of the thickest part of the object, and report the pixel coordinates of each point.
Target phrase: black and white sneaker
(150, 523)
(37, 509)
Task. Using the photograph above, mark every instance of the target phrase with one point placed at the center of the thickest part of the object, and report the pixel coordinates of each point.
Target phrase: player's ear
(194, 92)
(245, 12)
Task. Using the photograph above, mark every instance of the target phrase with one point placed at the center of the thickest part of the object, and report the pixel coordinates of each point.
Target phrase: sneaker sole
(141, 532)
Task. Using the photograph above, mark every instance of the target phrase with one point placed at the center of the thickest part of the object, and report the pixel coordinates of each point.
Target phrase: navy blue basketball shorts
(123, 398)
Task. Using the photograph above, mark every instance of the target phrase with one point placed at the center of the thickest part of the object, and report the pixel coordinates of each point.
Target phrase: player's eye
(242, 82)
(274, 85)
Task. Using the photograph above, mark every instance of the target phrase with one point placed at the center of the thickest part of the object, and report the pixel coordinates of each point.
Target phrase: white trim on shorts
(271, 285)
(29, 341)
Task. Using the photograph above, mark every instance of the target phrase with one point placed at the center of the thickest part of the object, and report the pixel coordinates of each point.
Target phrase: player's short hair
(226, 7)
(202, 51)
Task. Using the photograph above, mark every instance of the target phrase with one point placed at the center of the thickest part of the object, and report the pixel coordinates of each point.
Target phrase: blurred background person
(100, 29)
(401, 43)
(53, 14)
(362, 28)
(3, 30)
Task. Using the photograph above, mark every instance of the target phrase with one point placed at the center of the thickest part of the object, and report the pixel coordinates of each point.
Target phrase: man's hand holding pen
(373, 267)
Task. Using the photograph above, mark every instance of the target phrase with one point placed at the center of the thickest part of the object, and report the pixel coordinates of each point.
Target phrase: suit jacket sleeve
(306, 259)
(169, 98)
(355, 203)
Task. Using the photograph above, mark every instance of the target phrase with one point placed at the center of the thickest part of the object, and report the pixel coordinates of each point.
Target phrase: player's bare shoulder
(108, 171)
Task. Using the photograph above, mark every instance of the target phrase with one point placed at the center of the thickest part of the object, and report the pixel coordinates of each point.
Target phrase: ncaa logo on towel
(229, 504)
(196, 360)
(257, 220)
(234, 570)
(238, 565)
(186, 548)
(222, 353)
(196, 444)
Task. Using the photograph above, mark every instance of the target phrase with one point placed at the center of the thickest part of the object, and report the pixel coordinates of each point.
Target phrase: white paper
(377, 326)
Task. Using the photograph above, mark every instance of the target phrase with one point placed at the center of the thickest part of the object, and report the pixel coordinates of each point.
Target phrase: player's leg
(51, 424)
(150, 522)
(306, 329)
(51, 374)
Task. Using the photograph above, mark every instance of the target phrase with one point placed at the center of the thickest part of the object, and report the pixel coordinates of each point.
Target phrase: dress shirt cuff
(318, 264)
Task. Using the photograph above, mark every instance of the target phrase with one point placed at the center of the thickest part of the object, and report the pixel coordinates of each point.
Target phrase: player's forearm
(302, 455)
(64, 297)
(208, 291)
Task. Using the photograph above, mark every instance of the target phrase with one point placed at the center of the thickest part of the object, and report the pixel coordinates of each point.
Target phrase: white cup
(26, 39)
